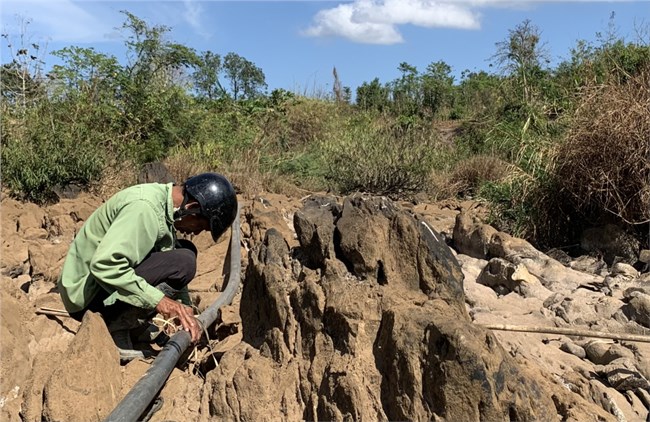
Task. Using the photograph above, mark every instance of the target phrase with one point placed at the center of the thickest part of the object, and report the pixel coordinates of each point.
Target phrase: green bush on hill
(377, 155)
(47, 154)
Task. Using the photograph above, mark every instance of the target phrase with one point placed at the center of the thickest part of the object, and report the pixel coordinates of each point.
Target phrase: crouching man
(126, 263)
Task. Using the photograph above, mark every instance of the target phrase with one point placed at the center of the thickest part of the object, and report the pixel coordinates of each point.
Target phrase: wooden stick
(52, 312)
(45, 308)
(568, 331)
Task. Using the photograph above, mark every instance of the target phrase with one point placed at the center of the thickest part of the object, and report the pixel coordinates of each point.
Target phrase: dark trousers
(169, 271)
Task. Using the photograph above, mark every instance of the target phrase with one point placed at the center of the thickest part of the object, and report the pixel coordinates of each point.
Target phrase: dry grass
(604, 165)
(306, 122)
(181, 166)
(198, 354)
(168, 326)
(466, 177)
(469, 174)
(115, 177)
(244, 172)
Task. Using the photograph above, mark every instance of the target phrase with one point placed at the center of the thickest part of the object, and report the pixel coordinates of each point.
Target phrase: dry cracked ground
(353, 308)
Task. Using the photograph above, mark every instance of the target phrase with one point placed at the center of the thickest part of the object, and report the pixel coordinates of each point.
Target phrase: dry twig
(568, 332)
(52, 312)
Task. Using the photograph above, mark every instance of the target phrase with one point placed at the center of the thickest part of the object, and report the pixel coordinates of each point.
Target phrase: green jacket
(115, 239)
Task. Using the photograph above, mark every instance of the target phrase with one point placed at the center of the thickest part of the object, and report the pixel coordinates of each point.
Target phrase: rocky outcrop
(351, 309)
(15, 360)
(371, 324)
(508, 280)
(479, 240)
(89, 372)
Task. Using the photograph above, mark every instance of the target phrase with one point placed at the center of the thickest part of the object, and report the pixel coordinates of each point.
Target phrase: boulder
(623, 375)
(612, 242)
(474, 238)
(638, 307)
(258, 217)
(15, 359)
(573, 349)
(505, 277)
(314, 226)
(88, 373)
(377, 330)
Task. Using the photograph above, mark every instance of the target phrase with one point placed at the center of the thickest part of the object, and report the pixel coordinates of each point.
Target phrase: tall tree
(246, 79)
(437, 85)
(407, 91)
(521, 54)
(87, 72)
(153, 59)
(18, 86)
(372, 95)
(206, 76)
(154, 89)
(21, 81)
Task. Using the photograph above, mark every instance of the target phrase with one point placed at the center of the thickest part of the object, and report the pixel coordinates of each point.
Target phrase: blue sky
(297, 43)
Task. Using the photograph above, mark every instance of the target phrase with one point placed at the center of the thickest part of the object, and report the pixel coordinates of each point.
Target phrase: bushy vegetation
(548, 148)
(604, 164)
(384, 156)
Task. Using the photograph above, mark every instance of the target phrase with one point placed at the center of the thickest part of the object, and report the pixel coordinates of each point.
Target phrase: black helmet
(217, 199)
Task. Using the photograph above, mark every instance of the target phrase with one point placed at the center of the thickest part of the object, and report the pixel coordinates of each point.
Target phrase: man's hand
(170, 308)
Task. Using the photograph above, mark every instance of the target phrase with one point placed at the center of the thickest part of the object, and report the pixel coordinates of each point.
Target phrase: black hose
(145, 390)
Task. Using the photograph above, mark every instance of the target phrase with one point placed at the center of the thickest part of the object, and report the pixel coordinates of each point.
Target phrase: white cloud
(416, 12)
(376, 21)
(59, 20)
(339, 21)
(192, 14)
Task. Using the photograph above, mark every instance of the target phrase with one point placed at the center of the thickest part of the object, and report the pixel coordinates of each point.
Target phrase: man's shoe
(122, 339)
(127, 355)
(149, 333)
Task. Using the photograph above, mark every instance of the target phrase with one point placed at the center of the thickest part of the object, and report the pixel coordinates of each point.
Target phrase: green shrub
(379, 156)
(35, 165)
(531, 208)
(303, 166)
